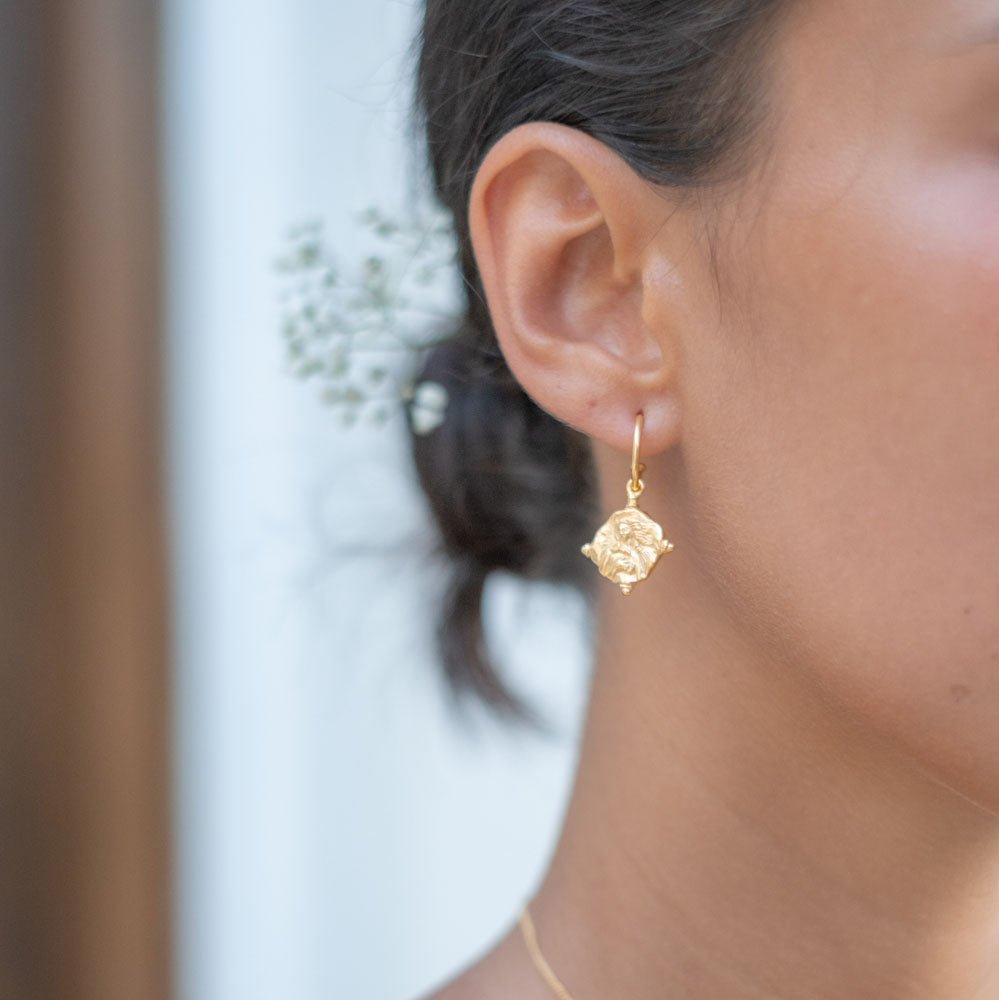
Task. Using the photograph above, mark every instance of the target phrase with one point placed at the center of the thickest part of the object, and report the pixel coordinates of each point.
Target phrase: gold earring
(628, 546)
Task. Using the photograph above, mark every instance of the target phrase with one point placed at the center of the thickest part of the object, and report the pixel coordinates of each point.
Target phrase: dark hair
(670, 85)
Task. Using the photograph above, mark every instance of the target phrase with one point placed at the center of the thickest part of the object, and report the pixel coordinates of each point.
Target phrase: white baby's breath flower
(359, 332)
(428, 407)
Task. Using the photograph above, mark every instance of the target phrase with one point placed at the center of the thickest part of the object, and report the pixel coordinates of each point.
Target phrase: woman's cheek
(855, 500)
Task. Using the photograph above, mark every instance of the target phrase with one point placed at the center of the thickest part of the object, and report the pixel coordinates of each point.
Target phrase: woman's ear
(574, 252)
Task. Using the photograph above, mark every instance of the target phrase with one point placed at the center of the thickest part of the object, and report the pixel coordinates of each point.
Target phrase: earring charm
(628, 546)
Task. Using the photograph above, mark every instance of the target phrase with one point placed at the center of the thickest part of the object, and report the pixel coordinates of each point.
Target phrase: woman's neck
(733, 834)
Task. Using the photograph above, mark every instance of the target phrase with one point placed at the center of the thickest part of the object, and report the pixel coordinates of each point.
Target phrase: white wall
(339, 836)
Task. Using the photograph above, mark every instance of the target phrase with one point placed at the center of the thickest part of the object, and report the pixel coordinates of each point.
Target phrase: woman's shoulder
(475, 983)
(504, 973)
(469, 987)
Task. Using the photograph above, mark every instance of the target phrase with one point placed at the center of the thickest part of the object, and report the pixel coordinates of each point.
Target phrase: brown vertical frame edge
(84, 781)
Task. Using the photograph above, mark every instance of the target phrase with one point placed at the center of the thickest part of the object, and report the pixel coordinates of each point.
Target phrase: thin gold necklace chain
(540, 962)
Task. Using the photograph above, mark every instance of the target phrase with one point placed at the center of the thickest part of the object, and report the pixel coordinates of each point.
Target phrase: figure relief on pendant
(628, 546)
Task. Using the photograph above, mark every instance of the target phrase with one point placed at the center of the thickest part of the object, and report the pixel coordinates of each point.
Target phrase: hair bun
(504, 481)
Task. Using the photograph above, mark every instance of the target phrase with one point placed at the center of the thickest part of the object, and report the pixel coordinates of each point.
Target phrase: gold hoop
(637, 468)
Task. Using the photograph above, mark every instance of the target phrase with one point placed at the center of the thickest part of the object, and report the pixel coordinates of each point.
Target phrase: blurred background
(228, 767)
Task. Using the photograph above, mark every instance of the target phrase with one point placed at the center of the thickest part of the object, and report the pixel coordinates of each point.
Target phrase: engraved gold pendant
(628, 546)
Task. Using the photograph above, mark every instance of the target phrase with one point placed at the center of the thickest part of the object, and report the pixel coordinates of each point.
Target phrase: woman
(771, 229)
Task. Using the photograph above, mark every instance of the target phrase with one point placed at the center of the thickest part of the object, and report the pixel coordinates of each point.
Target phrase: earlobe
(564, 233)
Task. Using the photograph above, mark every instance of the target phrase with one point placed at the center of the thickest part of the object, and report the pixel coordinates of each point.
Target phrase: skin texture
(789, 780)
